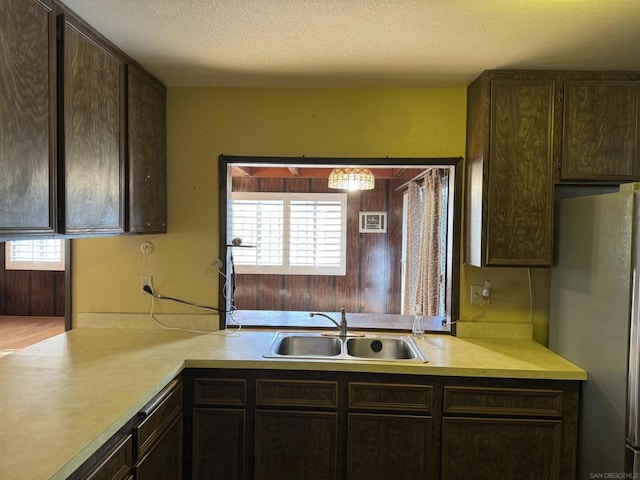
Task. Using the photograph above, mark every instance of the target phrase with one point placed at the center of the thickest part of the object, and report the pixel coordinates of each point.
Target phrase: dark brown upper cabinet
(601, 128)
(147, 155)
(512, 119)
(78, 119)
(527, 130)
(92, 160)
(27, 117)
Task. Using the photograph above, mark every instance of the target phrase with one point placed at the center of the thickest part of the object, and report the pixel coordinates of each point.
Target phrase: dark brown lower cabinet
(216, 426)
(296, 427)
(390, 432)
(279, 424)
(519, 429)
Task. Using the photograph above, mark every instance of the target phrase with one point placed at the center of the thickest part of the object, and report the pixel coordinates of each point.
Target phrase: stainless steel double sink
(308, 345)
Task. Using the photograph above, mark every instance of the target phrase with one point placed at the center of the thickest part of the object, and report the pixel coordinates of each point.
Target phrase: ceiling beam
(238, 171)
(317, 172)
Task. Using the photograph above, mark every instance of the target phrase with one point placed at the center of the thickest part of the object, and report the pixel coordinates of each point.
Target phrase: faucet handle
(344, 332)
(343, 323)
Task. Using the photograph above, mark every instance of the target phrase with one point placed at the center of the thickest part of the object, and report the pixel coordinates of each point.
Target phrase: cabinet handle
(151, 406)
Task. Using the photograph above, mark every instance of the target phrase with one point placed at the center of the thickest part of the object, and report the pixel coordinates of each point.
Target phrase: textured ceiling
(364, 43)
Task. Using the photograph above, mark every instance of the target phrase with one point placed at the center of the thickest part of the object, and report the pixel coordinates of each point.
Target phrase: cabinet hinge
(58, 33)
(558, 164)
(561, 96)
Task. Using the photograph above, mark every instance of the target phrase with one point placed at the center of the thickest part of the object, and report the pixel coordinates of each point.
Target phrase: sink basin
(301, 345)
(304, 345)
(381, 348)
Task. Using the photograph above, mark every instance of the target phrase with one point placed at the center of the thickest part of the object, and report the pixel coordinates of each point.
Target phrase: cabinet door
(492, 449)
(520, 185)
(147, 159)
(294, 445)
(93, 140)
(218, 443)
(388, 446)
(164, 459)
(27, 117)
(600, 130)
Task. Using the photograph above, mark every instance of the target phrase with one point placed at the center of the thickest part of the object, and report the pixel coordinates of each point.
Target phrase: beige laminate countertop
(61, 399)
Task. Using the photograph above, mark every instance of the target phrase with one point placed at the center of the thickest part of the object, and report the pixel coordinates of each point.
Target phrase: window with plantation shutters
(289, 233)
(40, 254)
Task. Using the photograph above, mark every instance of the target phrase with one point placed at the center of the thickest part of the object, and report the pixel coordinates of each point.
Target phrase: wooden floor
(20, 332)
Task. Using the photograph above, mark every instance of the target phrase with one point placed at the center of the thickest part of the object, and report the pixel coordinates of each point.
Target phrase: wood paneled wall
(373, 275)
(31, 292)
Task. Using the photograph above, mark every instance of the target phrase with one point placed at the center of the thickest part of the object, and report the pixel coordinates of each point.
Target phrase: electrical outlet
(476, 295)
(146, 281)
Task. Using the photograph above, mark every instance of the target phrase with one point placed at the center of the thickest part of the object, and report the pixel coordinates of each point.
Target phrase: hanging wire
(156, 296)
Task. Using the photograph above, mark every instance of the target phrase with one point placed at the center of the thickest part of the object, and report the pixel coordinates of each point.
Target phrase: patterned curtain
(429, 268)
(412, 254)
(423, 256)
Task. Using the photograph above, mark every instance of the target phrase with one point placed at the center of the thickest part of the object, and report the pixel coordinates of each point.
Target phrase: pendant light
(351, 178)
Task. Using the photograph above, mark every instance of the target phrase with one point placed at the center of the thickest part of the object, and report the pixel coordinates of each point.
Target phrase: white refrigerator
(594, 316)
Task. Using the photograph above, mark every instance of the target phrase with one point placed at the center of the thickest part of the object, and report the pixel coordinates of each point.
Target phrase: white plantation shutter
(41, 254)
(316, 232)
(259, 223)
(293, 233)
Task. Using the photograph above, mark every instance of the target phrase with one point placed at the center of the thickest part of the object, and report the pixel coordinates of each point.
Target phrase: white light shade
(351, 178)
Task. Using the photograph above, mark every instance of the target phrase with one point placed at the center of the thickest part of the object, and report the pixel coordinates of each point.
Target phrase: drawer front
(219, 391)
(159, 417)
(116, 465)
(503, 401)
(385, 396)
(297, 393)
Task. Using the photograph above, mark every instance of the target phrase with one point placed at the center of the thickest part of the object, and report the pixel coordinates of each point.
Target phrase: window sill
(356, 321)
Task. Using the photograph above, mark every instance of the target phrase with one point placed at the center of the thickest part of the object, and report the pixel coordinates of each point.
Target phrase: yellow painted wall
(203, 123)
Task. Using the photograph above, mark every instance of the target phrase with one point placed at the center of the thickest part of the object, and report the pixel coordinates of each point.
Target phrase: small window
(289, 233)
(41, 254)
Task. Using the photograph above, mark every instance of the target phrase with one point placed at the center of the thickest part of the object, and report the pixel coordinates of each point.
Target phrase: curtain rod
(416, 178)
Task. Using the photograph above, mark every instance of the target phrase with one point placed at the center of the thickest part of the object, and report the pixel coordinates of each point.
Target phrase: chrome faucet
(342, 326)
